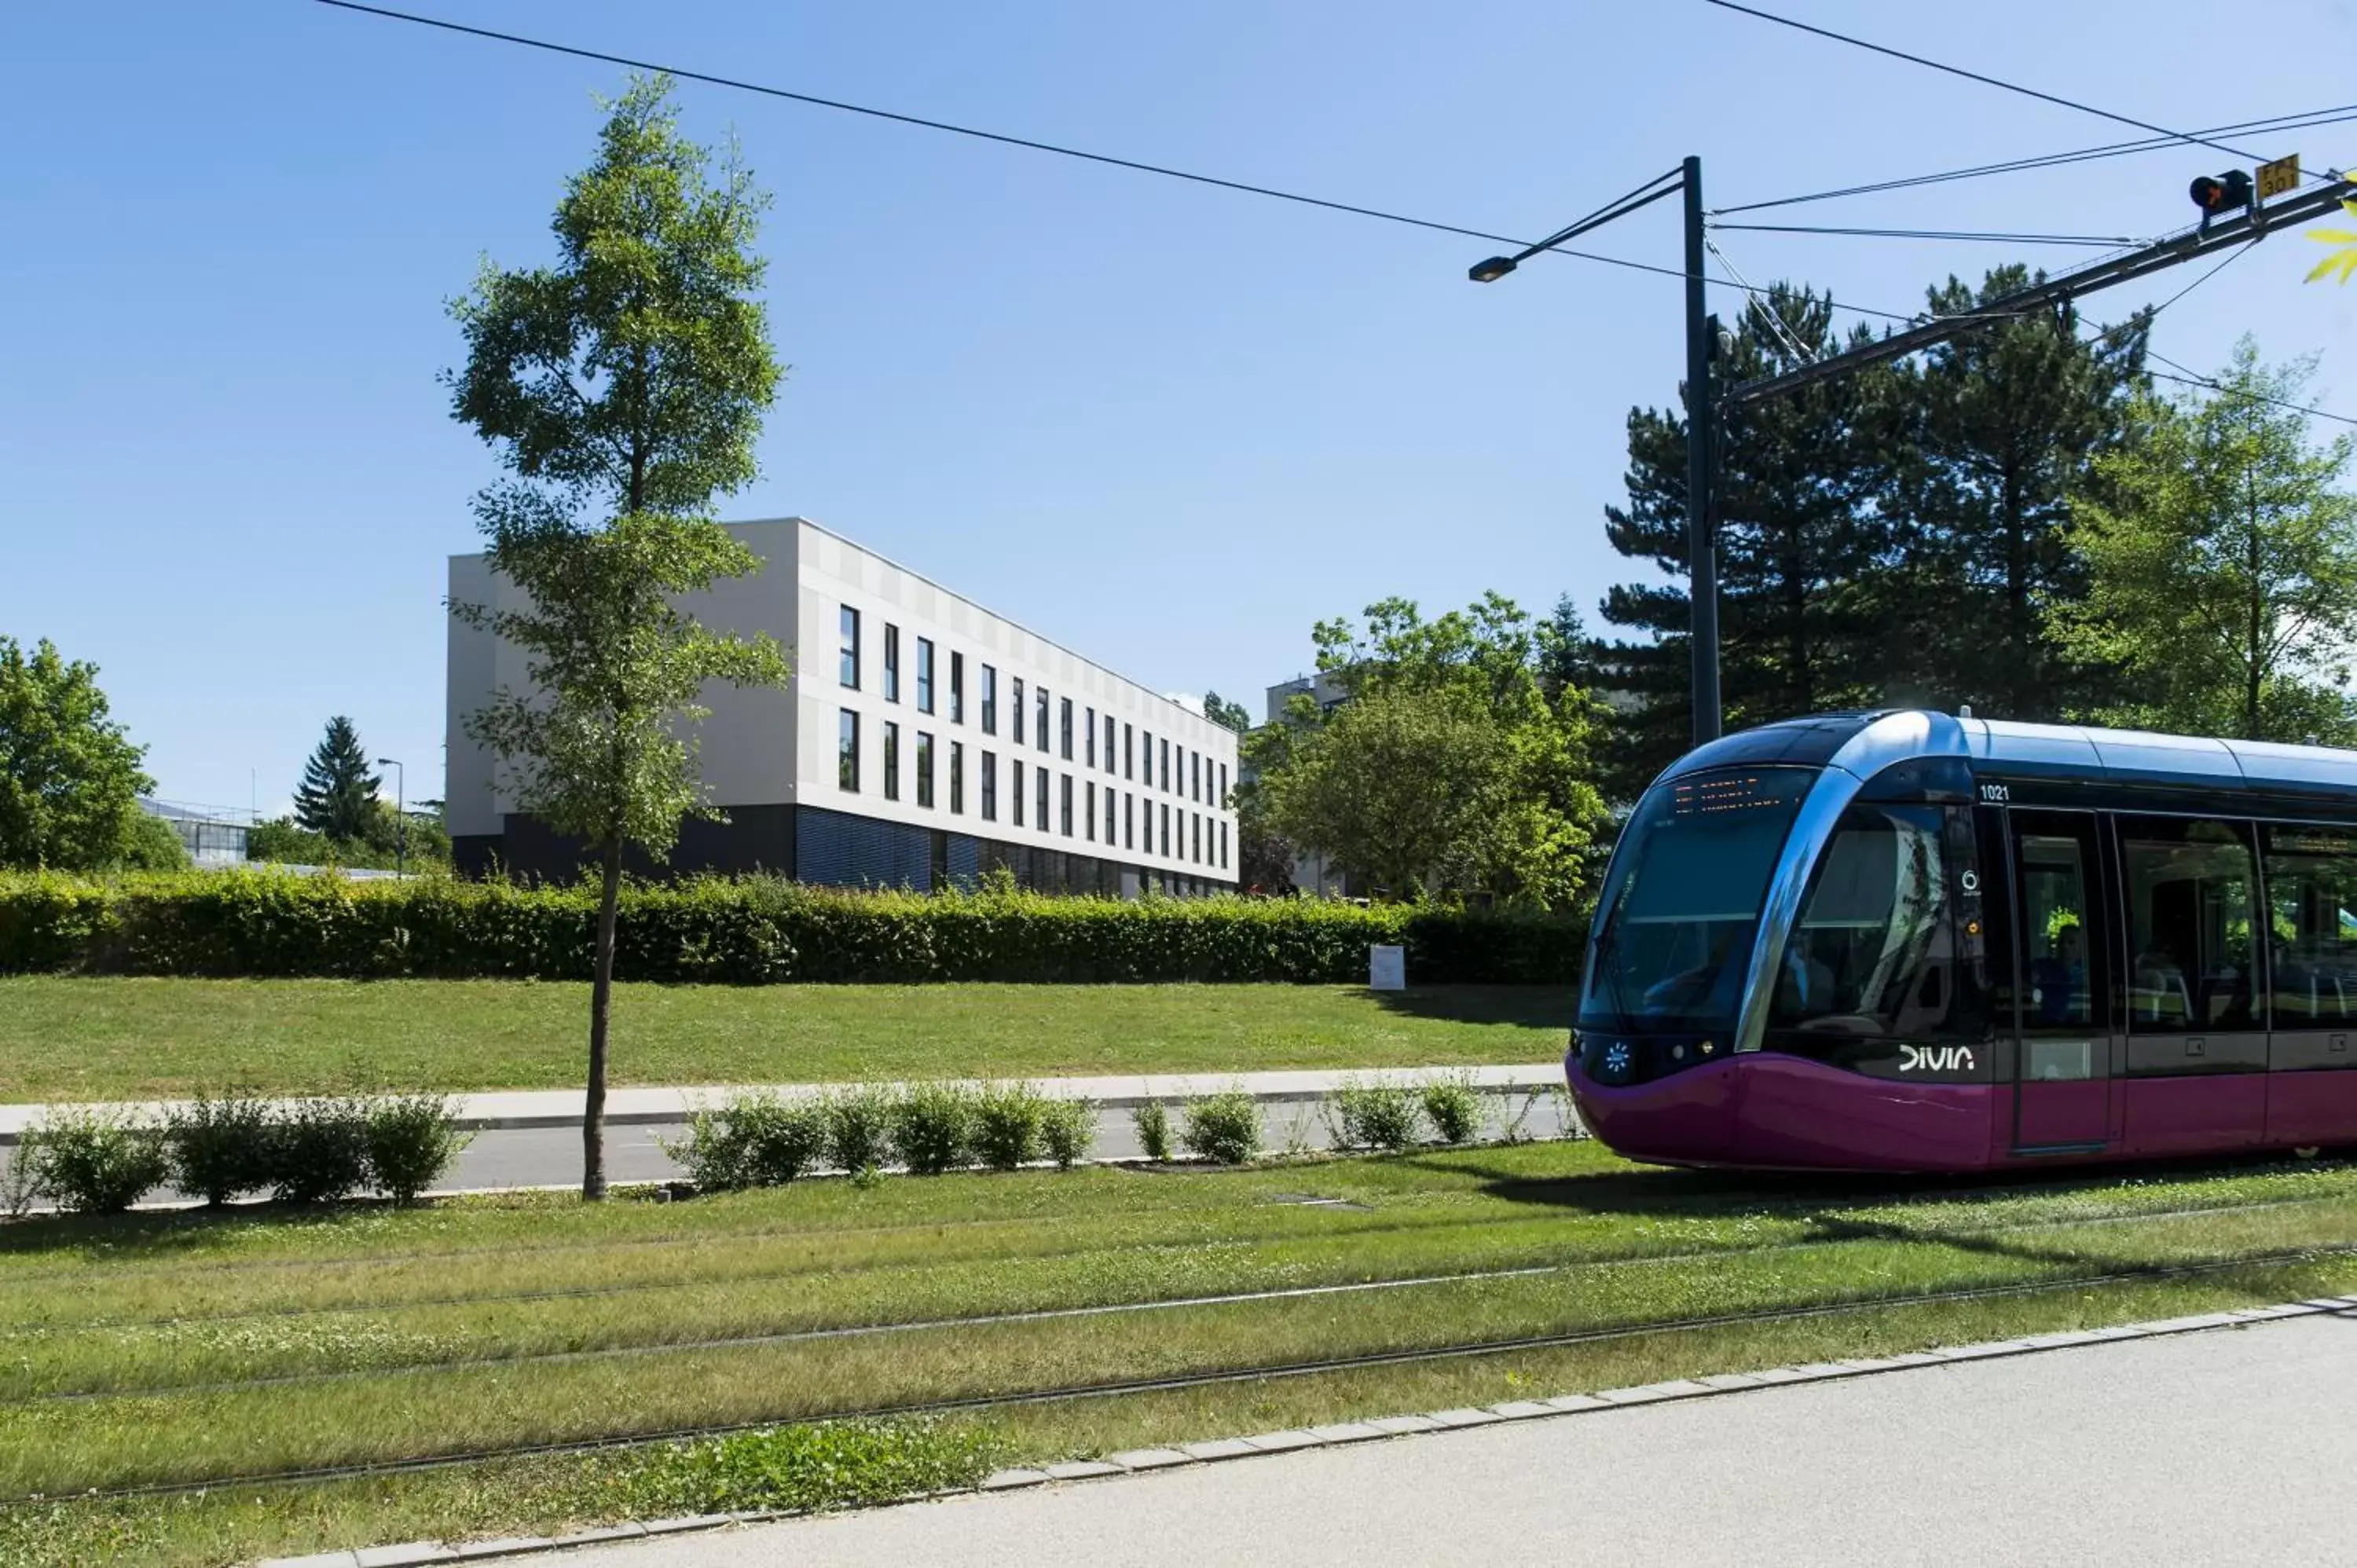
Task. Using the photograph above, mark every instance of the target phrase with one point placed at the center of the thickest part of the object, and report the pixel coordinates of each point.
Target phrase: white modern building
(922, 741)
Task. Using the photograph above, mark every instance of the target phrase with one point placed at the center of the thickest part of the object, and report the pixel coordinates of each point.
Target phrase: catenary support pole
(1701, 552)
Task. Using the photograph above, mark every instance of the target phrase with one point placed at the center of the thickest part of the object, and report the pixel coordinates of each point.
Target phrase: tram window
(1874, 953)
(2189, 896)
(2312, 925)
(2054, 931)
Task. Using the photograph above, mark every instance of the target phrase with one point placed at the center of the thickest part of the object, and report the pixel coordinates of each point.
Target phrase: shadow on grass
(1524, 1006)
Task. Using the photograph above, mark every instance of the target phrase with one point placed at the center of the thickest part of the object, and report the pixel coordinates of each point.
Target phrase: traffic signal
(2220, 192)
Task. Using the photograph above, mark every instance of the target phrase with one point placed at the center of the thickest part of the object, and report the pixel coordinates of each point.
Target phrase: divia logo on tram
(1935, 1058)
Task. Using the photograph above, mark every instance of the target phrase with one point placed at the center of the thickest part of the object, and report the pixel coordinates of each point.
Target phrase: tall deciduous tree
(70, 779)
(337, 795)
(2222, 572)
(624, 386)
(1226, 713)
(2000, 430)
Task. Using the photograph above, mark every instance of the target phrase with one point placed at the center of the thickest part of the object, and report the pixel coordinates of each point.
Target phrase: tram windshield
(1673, 929)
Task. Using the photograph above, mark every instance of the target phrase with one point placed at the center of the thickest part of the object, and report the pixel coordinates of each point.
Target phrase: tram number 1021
(1995, 795)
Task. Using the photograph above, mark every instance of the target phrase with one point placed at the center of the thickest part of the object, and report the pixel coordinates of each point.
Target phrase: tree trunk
(601, 1003)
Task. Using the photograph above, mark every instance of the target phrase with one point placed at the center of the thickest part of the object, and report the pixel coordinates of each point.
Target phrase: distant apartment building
(1312, 872)
(922, 741)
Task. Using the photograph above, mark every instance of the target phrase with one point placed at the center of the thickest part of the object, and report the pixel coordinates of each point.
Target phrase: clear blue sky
(1168, 426)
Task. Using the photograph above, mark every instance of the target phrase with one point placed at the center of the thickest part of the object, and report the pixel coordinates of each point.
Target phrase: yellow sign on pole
(2278, 177)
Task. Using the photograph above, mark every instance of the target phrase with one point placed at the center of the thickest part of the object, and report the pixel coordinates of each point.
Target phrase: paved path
(2223, 1447)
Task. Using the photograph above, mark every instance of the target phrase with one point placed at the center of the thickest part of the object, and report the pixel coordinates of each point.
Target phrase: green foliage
(756, 931)
(337, 798)
(94, 1162)
(1008, 1124)
(378, 848)
(1372, 1115)
(69, 782)
(753, 1140)
(1223, 1127)
(2223, 575)
(841, 1464)
(1453, 1106)
(859, 1122)
(933, 1126)
(151, 843)
(319, 1150)
(219, 1149)
(1067, 1128)
(1448, 768)
(1228, 714)
(1152, 1121)
(412, 1139)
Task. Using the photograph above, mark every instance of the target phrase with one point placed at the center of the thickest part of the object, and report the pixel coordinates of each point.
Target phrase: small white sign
(1386, 969)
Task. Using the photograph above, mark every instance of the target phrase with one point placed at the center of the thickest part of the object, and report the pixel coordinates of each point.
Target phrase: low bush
(412, 1139)
(858, 1128)
(219, 1150)
(318, 1150)
(933, 1126)
(754, 1140)
(1152, 1121)
(748, 930)
(1008, 1122)
(1454, 1108)
(1068, 1130)
(94, 1162)
(1372, 1115)
(1224, 1128)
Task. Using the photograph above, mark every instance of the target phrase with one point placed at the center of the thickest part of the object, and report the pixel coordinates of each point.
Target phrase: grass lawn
(137, 1038)
(202, 1349)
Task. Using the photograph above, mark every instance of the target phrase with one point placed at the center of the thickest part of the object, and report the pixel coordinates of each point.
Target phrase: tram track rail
(1212, 1378)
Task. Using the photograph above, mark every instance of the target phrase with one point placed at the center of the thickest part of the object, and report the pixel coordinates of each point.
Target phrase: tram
(1916, 941)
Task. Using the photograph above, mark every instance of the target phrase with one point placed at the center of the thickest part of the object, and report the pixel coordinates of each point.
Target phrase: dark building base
(833, 849)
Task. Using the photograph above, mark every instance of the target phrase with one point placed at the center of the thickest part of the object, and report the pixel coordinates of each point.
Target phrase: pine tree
(337, 795)
(1800, 536)
(2001, 428)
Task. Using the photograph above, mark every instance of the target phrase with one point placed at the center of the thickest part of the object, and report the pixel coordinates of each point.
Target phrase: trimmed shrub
(1454, 1108)
(755, 1139)
(933, 1126)
(1372, 1115)
(219, 1149)
(1152, 1121)
(1224, 1128)
(94, 1162)
(1009, 1119)
(858, 1128)
(411, 1140)
(749, 930)
(318, 1150)
(1068, 1128)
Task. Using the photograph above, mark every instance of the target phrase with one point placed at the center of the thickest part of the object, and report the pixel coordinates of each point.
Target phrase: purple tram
(1907, 942)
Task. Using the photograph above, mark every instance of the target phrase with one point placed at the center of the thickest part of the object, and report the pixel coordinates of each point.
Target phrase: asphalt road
(2223, 1447)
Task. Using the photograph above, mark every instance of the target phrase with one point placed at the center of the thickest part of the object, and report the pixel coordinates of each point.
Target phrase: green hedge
(746, 933)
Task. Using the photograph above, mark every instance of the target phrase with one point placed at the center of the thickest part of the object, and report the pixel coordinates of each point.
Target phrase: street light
(1701, 561)
(400, 811)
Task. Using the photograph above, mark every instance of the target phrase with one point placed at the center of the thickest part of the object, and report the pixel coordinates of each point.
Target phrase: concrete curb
(1218, 1450)
(501, 1110)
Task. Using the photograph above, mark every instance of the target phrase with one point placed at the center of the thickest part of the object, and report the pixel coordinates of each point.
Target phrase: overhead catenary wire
(2099, 240)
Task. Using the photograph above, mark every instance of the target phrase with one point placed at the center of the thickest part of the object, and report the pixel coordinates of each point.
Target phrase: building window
(1065, 800)
(1039, 796)
(1015, 785)
(1197, 856)
(989, 699)
(924, 768)
(957, 775)
(1195, 773)
(1016, 690)
(1129, 821)
(1088, 810)
(990, 786)
(1092, 722)
(1109, 729)
(891, 662)
(1039, 715)
(1166, 767)
(957, 688)
(849, 672)
(1064, 712)
(1165, 831)
(1129, 751)
(846, 751)
(1223, 801)
(924, 674)
(1223, 846)
(891, 761)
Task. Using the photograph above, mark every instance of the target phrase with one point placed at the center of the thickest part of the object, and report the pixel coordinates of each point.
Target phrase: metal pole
(1702, 559)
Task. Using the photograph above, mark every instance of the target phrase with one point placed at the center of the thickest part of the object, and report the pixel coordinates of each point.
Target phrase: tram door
(2063, 934)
